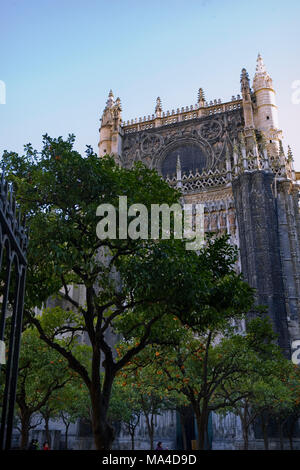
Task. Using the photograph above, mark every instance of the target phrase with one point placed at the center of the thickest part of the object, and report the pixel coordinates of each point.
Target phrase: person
(32, 445)
(159, 446)
(46, 446)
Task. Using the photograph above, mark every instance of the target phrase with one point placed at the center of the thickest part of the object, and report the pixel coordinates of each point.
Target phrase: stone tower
(229, 156)
(110, 130)
(265, 109)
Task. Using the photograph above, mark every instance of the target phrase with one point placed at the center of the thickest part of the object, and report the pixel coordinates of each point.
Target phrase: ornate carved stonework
(211, 196)
(210, 134)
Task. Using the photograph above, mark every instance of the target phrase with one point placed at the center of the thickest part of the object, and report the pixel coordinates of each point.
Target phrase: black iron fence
(13, 246)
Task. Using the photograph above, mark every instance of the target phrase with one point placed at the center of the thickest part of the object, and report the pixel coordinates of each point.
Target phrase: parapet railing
(183, 114)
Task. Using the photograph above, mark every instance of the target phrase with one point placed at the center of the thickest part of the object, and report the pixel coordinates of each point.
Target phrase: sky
(60, 58)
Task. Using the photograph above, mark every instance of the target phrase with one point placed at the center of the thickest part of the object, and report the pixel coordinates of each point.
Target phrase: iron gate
(13, 247)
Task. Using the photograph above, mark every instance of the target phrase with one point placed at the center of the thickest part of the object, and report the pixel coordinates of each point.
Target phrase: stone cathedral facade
(229, 156)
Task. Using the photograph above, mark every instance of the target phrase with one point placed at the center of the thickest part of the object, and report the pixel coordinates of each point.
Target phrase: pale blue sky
(59, 59)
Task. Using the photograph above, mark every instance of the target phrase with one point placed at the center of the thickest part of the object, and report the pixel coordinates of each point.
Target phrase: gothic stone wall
(208, 134)
(256, 209)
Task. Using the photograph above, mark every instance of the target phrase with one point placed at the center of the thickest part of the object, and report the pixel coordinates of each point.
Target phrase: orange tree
(262, 392)
(130, 286)
(74, 404)
(42, 371)
(146, 389)
(125, 409)
(273, 400)
(264, 397)
(202, 368)
(69, 404)
(292, 381)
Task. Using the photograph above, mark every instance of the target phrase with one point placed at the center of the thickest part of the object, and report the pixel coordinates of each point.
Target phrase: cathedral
(228, 156)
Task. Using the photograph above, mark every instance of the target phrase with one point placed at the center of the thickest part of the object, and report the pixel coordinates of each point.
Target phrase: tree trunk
(266, 438)
(280, 435)
(183, 430)
(150, 427)
(151, 435)
(25, 425)
(103, 432)
(66, 435)
(245, 425)
(151, 432)
(202, 420)
(245, 430)
(132, 440)
(290, 433)
(48, 437)
(245, 437)
(264, 426)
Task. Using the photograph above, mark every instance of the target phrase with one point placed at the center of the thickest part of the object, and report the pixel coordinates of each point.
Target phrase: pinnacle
(244, 74)
(244, 80)
(201, 96)
(158, 106)
(290, 154)
(260, 66)
(110, 101)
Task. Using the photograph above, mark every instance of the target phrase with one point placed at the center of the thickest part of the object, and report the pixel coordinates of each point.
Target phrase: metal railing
(13, 263)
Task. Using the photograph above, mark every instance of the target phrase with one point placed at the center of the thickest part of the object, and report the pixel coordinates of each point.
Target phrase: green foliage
(124, 404)
(217, 370)
(131, 287)
(70, 403)
(41, 369)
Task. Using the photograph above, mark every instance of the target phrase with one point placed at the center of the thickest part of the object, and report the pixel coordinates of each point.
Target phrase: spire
(178, 163)
(290, 154)
(158, 107)
(178, 172)
(201, 97)
(281, 150)
(261, 78)
(245, 82)
(247, 101)
(281, 155)
(290, 162)
(111, 121)
(110, 101)
(260, 66)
